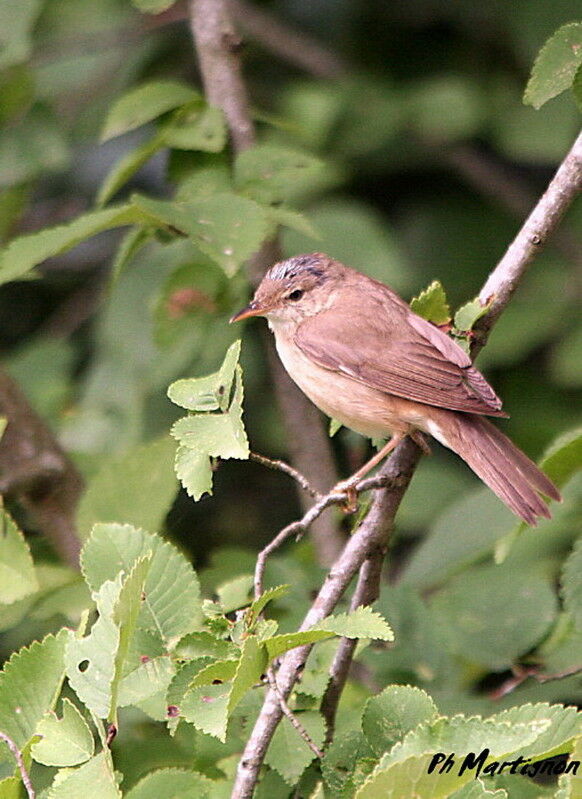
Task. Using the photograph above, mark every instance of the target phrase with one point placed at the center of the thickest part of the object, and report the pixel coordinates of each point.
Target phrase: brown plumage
(358, 351)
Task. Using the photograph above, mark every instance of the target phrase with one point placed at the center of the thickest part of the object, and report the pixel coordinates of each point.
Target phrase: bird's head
(295, 289)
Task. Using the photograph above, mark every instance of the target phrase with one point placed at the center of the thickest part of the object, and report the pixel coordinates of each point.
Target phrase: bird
(362, 356)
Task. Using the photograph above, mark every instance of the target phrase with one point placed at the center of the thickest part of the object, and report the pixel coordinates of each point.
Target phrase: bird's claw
(349, 489)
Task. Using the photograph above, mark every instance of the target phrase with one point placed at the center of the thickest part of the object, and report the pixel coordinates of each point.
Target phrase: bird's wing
(382, 343)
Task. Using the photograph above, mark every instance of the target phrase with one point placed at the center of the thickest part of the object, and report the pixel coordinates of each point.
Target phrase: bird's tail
(499, 463)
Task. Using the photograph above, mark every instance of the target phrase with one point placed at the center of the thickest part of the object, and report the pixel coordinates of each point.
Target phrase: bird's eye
(295, 295)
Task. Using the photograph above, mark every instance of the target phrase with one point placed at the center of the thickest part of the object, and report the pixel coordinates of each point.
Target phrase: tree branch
(542, 221)
(373, 533)
(217, 46)
(36, 471)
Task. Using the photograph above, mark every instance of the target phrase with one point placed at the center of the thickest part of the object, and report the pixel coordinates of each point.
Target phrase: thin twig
(281, 466)
(366, 593)
(291, 716)
(20, 763)
(523, 673)
(299, 526)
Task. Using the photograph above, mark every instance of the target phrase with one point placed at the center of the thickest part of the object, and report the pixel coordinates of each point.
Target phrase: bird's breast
(356, 405)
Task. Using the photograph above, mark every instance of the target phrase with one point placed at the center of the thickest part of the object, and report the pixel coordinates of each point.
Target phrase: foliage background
(429, 162)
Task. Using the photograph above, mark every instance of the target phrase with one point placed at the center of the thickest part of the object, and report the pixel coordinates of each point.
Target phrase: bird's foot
(347, 487)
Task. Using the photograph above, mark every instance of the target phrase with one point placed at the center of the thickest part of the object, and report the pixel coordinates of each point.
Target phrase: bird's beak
(252, 309)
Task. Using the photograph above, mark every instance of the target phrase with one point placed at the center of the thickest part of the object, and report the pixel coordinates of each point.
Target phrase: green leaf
(220, 435)
(495, 614)
(197, 129)
(347, 762)
(90, 660)
(477, 790)
(316, 672)
(206, 707)
(30, 683)
(171, 783)
(564, 457)
(558, 727)
(572, 583)
(404, 771)
(94, 778)
(204, 644)
(259, 604)
(204, 182)
(64, 742)
(279, 644)
(432, 304)
(115, 547)
(125, 616)
(206, 435)
(17, 19)
(217, 689)
(555, 65)
(194, 471)
(153, 6)
(116, 493)
(360, 623)
(126, 167)
(235, 593)
(274, 175)
(210, 393)
(227, 228)
(133, 240)
(288, 753)
(144, 103)
(389, 715)
(24, 252)
(467, 315)
(334, 426)
(148, 679)
(251, 666)
(17, 575)
(205, 702)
